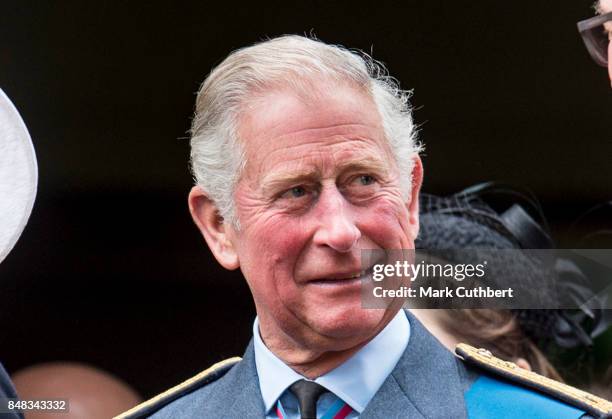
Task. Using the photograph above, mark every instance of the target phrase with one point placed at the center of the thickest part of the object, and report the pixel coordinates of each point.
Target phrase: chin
(352, 323)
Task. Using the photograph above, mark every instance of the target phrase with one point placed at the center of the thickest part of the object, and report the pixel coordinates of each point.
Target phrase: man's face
(319, 185)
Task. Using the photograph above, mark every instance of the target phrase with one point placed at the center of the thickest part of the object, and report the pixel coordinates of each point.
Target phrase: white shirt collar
(356, 381)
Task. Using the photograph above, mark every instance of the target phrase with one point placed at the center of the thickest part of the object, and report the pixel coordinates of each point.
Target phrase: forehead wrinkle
(319, 132)
(298, 120)
(316, 148)
(307, 97)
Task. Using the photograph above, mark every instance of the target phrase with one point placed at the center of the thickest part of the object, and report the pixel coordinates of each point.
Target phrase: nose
(336, 225)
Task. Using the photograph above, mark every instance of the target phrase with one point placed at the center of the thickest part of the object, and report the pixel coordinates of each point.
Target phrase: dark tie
(307, 393)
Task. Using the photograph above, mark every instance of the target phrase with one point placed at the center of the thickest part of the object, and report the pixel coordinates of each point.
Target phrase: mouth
(342, 279)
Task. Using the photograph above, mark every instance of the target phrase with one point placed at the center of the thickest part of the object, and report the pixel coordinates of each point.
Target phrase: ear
(216, 232)
(413, 204)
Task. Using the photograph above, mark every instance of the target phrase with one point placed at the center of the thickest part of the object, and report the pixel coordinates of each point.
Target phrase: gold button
(484, 352)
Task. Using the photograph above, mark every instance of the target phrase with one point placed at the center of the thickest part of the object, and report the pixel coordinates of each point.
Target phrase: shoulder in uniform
(506, 390)
(202, 379)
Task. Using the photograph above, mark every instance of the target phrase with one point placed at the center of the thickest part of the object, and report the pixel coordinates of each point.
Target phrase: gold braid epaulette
(168, 394)
(484, 359)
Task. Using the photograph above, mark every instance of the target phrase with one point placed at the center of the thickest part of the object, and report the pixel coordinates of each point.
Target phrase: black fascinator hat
(495, 216)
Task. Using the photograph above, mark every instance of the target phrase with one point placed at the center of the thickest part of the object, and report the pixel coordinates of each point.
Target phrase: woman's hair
(498, 331)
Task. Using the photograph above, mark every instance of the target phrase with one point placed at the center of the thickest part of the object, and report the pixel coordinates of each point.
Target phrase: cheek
(386, 223)
(270, 248)
(281, 235)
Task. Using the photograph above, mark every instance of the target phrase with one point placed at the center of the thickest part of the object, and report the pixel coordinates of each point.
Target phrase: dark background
(111, 271)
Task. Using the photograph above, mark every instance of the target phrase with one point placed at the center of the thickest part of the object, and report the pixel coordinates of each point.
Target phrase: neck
(322, 364)
(317, 355)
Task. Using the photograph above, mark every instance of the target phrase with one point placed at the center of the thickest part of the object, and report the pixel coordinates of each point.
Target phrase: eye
(361, 186)
(366, 179)
(297, 192)
(297, 198)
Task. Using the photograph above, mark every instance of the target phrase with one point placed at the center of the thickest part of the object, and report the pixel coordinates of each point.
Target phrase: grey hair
(217, 154)
(597, 7)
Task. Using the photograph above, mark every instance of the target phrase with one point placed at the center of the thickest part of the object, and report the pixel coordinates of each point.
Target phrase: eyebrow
(284, 179)
(365, 164)
(289, 177)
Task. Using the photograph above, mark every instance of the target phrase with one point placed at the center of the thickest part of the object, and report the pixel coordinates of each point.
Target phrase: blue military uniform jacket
(7, 391)
(427, 382)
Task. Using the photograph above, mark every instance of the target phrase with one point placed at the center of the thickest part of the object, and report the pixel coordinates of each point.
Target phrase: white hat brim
(18, 175)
